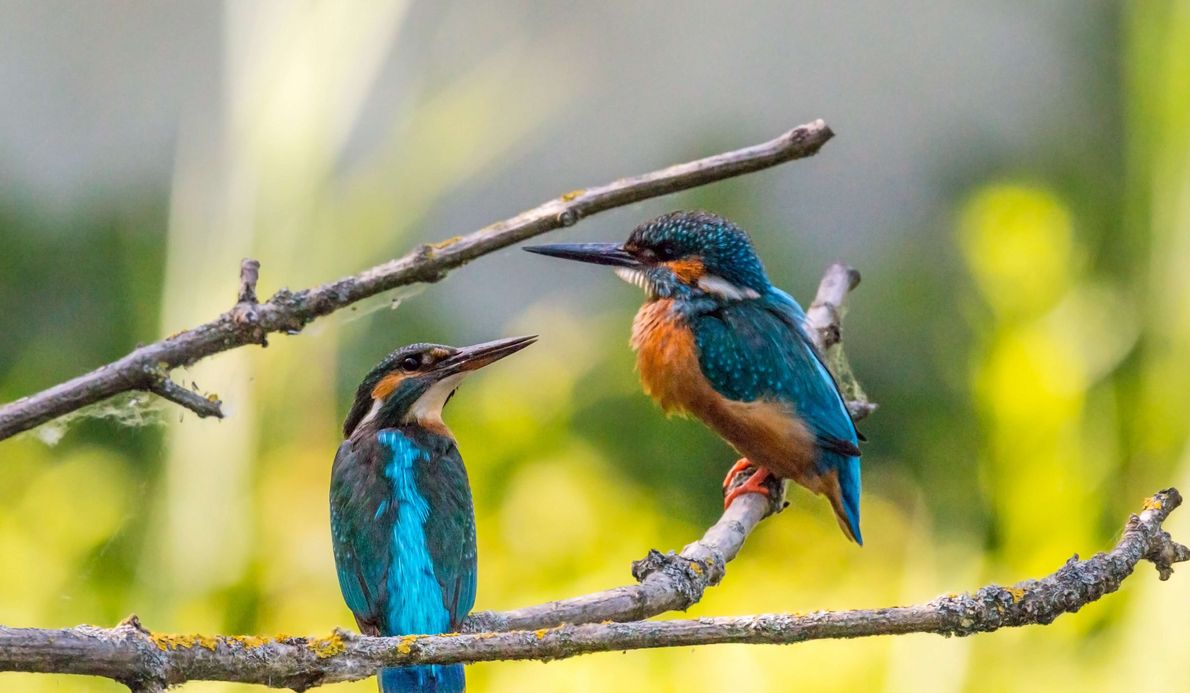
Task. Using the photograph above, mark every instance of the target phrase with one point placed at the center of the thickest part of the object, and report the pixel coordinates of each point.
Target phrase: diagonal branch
(250, 323)
(147, 661)
(668, 581)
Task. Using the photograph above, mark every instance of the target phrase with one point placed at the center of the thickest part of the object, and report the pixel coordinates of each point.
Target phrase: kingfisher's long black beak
(475, 357)
(597, 253)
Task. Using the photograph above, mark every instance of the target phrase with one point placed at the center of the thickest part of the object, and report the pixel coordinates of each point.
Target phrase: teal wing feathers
(750, 350)
(362, 515)
(827, 412)
(759, 349)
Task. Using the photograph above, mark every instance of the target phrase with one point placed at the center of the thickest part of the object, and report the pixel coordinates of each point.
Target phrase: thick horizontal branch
(668, 581)
(143, 660)
(250, 323)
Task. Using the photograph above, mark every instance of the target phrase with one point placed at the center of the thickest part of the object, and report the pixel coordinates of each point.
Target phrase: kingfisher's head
(412, 384)
(680, 254)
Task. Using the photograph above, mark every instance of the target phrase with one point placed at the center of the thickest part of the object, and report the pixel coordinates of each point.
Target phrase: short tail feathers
(427, 678)
(845, 499)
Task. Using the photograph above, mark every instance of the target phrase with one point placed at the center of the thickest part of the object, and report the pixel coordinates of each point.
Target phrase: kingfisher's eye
(666, 251)
(410, 364)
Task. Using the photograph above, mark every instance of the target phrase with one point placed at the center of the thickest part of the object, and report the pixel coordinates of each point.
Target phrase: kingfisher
(402, 522)
(715, 339)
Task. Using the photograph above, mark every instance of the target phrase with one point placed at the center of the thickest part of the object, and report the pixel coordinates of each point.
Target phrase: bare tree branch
(825, 319)
(825, 315)
(250, 323)
(203, 405)
(249, 275)
(130, 654)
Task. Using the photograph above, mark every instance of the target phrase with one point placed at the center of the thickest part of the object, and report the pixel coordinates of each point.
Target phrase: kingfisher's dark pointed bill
(612, 254)
(477, 356)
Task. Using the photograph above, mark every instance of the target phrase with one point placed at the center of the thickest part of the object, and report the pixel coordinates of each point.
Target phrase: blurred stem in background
(1159, 223)
(1081, 368)
(1157, 233)
(249, 185)
(243, 544)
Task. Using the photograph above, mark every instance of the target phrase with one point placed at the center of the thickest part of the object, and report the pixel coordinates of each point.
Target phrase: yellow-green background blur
(1012, 178)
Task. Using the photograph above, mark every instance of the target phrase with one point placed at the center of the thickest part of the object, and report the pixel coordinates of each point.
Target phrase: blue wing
(362, 517)
(750, 350)
(830, 415)
(759, 349)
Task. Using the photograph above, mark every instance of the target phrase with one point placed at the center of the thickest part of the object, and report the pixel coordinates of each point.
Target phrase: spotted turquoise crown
(725, 249)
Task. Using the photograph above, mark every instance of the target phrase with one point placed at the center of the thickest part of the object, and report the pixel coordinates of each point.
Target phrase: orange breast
(766, 432)
(666, 356)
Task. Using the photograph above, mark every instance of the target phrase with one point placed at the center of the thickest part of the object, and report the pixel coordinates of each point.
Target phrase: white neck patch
(376, 405)
(428, 408)
(718, 286)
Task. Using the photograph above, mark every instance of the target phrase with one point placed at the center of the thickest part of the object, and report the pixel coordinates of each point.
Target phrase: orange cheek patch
(387, 385)
(689, 269)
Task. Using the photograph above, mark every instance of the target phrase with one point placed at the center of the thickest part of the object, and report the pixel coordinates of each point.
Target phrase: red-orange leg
(754, 484)
(736, 468)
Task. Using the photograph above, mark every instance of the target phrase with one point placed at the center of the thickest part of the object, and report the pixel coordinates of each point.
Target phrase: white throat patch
(718, 286)
(635, 277)
(428, 408)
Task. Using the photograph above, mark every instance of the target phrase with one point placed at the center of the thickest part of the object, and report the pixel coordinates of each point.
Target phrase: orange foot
(740, 465)
(754, 484)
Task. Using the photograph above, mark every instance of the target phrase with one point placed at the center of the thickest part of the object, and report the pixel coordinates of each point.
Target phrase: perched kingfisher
(402, 523)
(716, 340)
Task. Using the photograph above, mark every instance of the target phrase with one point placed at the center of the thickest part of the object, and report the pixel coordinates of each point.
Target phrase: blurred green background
(1013, 179)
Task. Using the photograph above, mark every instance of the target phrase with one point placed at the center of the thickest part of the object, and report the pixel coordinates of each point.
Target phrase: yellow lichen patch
(1018, 593)
(1153, 503)
(406, 644)
(572, 194)
(327, 647)
(696, 568)
(212, 397)
(172, 641)
(443, 244)
(252, 642)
